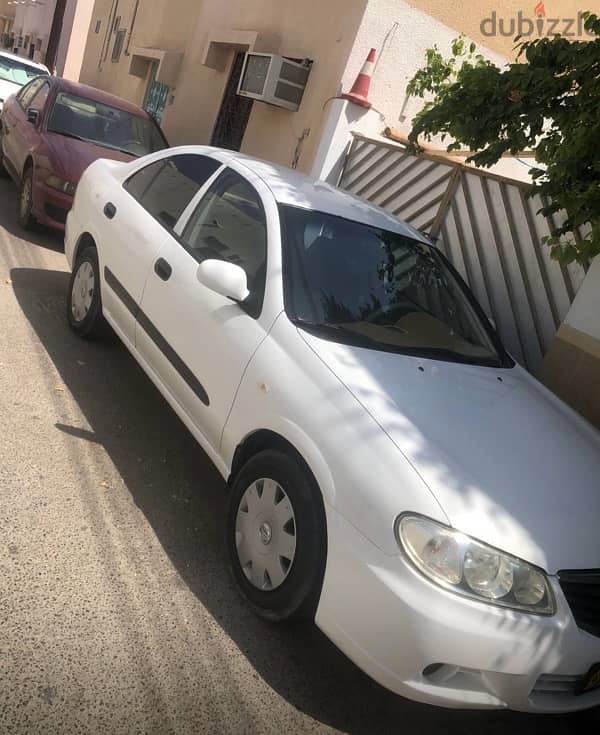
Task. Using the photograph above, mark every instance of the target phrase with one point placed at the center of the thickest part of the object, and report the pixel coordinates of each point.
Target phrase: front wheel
(26, 218)
(84, 302)
(277, 537)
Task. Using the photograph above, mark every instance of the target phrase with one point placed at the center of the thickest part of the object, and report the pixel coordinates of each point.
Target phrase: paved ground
(117, 614)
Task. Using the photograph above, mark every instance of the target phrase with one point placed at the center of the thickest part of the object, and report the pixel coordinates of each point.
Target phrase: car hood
(70, 157)
(508, 462)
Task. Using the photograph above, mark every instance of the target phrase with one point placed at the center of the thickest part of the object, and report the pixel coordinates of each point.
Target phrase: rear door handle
(163, 269)
(110, 210)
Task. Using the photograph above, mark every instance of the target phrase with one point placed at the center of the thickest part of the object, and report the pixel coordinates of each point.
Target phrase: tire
(84, 300)
(26, 218)
(3, 171)
(276, 512)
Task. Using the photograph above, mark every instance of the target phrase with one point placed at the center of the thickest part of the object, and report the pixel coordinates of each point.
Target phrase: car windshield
(104, 125)
(361, 285)
(17, 72)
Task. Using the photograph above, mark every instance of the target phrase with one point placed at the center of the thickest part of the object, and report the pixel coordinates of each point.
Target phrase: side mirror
(33, 116)
(224, 278)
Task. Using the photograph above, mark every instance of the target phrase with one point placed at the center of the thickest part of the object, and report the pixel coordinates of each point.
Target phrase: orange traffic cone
(359, 94)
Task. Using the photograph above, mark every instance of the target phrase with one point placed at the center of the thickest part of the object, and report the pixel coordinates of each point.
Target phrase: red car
(53, 129)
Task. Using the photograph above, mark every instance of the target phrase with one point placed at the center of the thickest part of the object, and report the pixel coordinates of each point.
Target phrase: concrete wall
(71, 49)
(401, 34)
(7, 14)
(467, 17)
(34, 21)
(572, 365)
(322, 31)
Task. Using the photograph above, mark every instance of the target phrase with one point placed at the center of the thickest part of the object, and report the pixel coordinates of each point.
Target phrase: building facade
(182, 60)
(53, 32)
(7, 17)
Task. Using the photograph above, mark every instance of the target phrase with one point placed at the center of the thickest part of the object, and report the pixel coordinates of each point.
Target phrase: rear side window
(166, 187)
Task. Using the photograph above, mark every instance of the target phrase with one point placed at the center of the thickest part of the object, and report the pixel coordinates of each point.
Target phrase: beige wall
(322, 31)
(6, 12)
(467, 15)
(73, 40)
(572, 365)
(336, 34)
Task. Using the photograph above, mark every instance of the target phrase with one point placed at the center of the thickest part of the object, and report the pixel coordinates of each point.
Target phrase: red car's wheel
(26, 218)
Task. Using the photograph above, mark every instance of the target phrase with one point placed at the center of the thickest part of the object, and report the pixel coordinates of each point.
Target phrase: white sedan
(393, 474)
(15, 72)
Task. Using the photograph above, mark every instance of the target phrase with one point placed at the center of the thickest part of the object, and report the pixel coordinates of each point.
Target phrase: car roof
(298, 190)
(25, 60)
(97, 95)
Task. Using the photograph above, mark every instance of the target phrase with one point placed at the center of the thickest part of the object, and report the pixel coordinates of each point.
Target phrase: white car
(15, 72)
(393, 473)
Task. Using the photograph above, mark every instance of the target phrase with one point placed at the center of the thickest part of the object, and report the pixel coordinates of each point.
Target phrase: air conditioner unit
(275, 80)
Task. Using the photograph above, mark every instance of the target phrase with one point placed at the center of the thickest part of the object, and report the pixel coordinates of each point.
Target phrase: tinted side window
(229, 224)
(29, 92)
(166, 187)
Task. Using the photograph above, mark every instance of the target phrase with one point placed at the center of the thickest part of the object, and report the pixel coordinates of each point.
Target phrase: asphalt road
(117, 613)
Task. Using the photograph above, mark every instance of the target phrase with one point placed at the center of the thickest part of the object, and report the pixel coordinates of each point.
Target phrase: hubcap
(83, 291)
(265, 534)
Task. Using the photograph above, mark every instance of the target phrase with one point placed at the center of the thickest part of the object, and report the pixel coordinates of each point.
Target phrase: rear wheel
(84, 302)
(276, 537)
(26, 218)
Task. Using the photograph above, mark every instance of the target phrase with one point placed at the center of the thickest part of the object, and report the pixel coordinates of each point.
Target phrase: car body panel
(491, 444)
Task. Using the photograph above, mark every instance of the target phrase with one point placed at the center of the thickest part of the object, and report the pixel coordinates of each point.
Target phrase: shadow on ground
(42, 237)
(184, 498)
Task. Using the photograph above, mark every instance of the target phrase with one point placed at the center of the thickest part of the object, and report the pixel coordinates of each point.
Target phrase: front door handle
(163, 269)
(110, 210)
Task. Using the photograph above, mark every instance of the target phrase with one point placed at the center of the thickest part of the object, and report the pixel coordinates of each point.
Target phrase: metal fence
(488, 228)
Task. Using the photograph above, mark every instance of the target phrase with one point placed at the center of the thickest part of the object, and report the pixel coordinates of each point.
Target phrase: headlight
(55, 182)
(473, 569)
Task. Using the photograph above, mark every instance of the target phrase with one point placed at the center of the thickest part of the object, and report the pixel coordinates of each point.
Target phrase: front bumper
(51, 206)
(431, 645)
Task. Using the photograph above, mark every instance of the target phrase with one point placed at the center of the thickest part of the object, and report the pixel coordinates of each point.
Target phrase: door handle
(163, 269)
(110, 210)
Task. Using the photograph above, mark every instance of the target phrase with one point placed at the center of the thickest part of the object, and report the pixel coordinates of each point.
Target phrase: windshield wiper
(342, 333)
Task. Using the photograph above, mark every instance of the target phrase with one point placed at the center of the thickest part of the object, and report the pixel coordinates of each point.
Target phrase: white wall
(34, 20)
(401, 35)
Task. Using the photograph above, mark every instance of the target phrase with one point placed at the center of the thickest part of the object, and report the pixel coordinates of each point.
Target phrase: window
(166, 187)
(104, 125)
(118, 47)
(28, 93)
(39, 101)
(361, 285)
(16, 71)
(229, 224)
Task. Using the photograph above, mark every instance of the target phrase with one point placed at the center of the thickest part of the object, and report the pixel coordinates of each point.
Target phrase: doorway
(234, 114)
(157, 95)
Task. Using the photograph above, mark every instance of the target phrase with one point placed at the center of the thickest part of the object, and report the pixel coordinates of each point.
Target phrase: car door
(19, 135)
(138, 218)
(197, 341)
